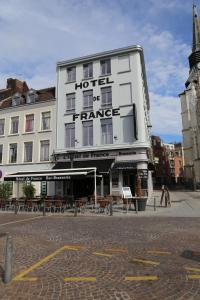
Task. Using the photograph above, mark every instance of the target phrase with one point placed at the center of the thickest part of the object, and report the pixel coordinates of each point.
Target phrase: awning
(124, 165)
(102, 165)
(49, 175)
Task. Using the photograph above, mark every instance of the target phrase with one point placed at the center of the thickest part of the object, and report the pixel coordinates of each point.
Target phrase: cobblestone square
(122, 258)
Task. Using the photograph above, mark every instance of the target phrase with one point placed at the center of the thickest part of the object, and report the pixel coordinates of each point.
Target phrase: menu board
(126, 192)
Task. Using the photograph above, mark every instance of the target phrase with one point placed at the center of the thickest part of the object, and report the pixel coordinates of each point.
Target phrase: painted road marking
(24, 220)
(140, 278)
(75, 279)
(22, 275)
(193, 277)
(120, 250)
(159, 252)
(192, 269)
(102, 254)
(144, 261)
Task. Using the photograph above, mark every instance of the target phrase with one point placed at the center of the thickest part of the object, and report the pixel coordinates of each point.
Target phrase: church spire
(194, 58)
(196, 30)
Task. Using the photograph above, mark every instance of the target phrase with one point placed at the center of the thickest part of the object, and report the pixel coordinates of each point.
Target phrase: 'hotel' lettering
(94, 82)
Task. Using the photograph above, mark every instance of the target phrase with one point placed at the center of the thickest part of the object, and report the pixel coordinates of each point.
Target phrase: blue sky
(36, 34)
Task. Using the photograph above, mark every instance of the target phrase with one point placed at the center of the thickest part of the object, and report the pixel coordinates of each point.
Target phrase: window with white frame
(70, 102)
(106, 131)
(2, 126)
(13, 153)
(31, 97)
(88, 99)
(16, 100)
(44, 150)
(70, 135)
(88, 133)
(106, 96)
(87, 70)
(71, 74)
(14, 125)
(29, 126)
(28, 151)
(46, 118)
(1, 153)
(105, 67)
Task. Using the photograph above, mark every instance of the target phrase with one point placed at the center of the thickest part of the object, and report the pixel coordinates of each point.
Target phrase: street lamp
(71, 154)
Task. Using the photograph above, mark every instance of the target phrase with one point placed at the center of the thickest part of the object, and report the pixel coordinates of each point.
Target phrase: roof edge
(99, 54)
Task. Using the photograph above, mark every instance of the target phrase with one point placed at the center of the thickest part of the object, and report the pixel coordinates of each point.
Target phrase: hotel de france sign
(99, 113)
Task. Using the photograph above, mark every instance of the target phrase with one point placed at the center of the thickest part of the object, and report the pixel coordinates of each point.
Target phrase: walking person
(165, 195)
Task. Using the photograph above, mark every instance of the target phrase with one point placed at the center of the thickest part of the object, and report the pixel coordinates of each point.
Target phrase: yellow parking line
(192, 269)
(144, 261)
(41, 262)
(159, 252)
(141, 278)
(75, 279)
(102, 254)
(193, 277)
(120, 250)
(27, 279)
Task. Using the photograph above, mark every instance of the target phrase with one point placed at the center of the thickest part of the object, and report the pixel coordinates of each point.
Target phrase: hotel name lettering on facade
(93, 83)
(99, 113)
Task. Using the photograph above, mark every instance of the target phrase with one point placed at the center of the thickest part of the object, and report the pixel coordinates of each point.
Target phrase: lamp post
(72, 154)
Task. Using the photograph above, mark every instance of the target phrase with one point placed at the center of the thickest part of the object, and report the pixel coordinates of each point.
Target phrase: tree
(29, 190)
(5, 190)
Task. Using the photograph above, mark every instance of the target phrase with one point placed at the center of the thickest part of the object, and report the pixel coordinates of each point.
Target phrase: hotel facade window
(1, 153)
(70, 135)
(44, 150)
(29, 126)
(16, 100)
(88, 70)
(13, 153)
(14, 125)
(88, 99)
(105, 67)
(28, 151)
(88, 133)
(2, 126)
(71, 102)
(71, 74)
(106, 96)
(46, 119)
(106, 131)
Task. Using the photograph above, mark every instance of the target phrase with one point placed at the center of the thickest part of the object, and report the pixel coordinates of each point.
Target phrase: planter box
(142, 201)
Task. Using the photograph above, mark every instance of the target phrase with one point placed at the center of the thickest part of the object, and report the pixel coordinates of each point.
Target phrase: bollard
(75, 210)
(44, 210)
(154, 203)
(16, 208)
(8, 259)
(111, 208)
(136, 206)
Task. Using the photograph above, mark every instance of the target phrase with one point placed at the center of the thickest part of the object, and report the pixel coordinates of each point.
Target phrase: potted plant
(140, 197)
(5, 190)
(29, 191)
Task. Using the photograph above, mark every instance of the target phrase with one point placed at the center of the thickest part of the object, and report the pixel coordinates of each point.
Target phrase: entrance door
(129, 180)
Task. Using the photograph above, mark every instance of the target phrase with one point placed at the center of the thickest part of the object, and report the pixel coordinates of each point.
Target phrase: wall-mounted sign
(93, 83)
(99, 113)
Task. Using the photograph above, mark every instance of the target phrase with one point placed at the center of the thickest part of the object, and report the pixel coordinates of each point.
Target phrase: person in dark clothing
(165, 195)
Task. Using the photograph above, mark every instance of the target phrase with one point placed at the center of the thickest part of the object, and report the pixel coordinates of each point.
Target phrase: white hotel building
(103, 120)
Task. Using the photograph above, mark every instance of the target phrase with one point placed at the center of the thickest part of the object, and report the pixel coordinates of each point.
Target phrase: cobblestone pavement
(79, 258)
